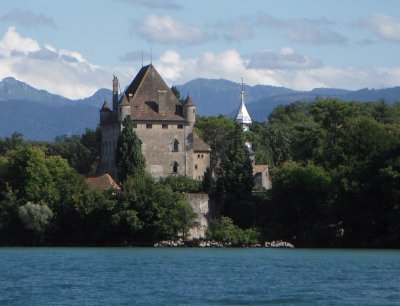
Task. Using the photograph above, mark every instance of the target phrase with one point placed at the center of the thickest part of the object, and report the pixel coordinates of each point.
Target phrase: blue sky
(75, 47)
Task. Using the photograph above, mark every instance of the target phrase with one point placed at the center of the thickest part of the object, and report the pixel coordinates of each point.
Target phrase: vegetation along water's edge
(335, 169)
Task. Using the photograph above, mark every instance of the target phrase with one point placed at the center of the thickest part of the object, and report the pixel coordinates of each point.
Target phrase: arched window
(175, 145)
(175, 167)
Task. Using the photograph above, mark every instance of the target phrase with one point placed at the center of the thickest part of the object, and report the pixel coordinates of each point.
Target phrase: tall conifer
(129, 157)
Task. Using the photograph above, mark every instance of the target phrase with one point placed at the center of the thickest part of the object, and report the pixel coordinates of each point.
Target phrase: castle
(161, 121)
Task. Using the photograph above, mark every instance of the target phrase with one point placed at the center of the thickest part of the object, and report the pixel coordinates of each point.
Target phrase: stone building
(161, 121)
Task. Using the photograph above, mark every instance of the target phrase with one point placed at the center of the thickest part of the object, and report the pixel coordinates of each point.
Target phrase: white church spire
(243, 117)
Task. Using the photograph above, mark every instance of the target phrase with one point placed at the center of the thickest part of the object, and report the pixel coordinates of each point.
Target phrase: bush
(225, 231)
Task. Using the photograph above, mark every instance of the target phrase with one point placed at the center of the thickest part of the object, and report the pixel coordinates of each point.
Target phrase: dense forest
(336, 174)
(335, 170)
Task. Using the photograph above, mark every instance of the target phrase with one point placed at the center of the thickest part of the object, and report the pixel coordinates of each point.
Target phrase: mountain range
(40, 115)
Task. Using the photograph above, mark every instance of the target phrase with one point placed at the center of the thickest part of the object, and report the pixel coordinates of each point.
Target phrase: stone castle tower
(162, 122)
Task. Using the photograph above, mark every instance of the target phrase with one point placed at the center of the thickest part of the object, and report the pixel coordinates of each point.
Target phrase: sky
(73, 48)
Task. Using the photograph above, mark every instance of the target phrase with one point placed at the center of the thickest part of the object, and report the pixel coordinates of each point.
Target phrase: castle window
(175, 145)
(149, 126)
(180, 126)
(195, 166)
(165, 126)
(175, 167)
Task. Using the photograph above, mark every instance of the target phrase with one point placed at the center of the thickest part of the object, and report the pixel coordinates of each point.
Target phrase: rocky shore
(204, 243)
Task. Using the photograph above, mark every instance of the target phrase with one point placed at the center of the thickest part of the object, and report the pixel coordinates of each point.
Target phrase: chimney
(162, 101)
(115, 94)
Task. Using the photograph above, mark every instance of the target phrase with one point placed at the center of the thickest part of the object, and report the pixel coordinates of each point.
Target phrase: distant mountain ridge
(223, 97)
(40, 115)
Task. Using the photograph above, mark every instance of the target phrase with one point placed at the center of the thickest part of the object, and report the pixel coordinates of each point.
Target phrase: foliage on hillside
(336, 174)
(44, 201)
(335, 168)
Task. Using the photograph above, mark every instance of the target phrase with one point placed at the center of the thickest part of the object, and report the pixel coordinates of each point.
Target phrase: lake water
(144, 276)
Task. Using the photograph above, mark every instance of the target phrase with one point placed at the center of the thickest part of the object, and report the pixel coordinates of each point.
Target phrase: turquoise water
(143, 276)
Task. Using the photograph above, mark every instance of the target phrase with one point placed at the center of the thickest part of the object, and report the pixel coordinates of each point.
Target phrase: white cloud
(12, 41)
(164, 30)
(303, 30)
(232, 66)
(286, 58)
(28, 19)
(386, 27)
(47, 68)
(156, 4)
(68, 73)
(235, 30)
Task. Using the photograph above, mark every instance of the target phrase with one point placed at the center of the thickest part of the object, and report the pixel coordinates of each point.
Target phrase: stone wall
(157, 147)
(200, 204)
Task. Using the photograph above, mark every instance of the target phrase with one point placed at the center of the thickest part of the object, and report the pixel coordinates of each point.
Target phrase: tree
(235, 172)
(301, 197)
(226, 231)
(182, 183)
(35, 218)
(82, 152)
(176, 92)
(37, 178)
(129, 157)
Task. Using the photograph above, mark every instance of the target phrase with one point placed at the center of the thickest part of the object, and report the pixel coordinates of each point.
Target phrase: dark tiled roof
(199, 145)
(143, 94)
(103, 182)
(189, 101)
(105, 107)
(124, 101)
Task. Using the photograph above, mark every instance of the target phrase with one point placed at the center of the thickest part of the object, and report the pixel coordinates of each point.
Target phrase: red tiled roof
(259, 168)
(103, 182)
(199, 144)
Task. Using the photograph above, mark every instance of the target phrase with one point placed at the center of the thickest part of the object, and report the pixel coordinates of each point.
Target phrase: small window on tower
(165, 126)
(149, 126)
(180, 126)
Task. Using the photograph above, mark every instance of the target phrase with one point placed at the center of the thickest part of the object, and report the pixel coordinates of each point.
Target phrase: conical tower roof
(243, 116)
(105, 107)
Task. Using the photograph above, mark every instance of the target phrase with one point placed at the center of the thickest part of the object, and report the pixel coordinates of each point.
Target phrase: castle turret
(105, 112)
(124, 109)
(243, 117)
(115, 93)
(189, 111)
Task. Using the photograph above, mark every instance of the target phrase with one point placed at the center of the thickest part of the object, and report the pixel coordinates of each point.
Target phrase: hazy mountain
(11, 89)
(213, 97)
(40, 115)
(223, 97)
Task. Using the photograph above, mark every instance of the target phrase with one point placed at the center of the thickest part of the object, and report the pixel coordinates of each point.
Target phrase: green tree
(38, 178)
(182, 183)
(36, 218)
(301, 196)
(226, 231)
(176, 92)
(235, 172)
(82, 152)
(129, 157)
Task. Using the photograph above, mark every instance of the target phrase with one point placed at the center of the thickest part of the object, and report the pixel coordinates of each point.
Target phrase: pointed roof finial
(243, 116)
